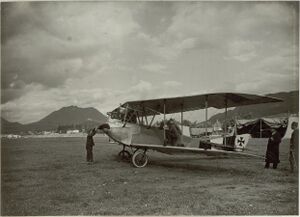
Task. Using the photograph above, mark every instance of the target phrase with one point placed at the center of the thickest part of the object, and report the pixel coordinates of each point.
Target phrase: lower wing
(179, 150)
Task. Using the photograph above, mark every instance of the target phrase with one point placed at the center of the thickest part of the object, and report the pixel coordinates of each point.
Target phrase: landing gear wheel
(139, 159)
(124, 155)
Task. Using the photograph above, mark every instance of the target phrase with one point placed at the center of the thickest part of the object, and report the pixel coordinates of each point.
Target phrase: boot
(267, 165)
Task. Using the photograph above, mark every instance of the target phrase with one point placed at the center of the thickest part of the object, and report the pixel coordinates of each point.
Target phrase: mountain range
(91, 117)
(66, 116)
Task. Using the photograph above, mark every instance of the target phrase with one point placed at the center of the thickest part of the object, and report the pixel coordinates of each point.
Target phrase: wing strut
(260, 127)
(206, 105)
(181, 117)
(125, 116)
(151, 121)
(146, 119)
(226, 104)
(164, 122)
(138, 117)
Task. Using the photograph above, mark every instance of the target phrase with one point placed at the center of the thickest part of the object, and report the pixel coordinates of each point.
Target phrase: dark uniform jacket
(272, 154)
(295, 140)
(89, 141)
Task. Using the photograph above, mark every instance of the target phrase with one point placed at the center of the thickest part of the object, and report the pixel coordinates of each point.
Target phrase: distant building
(217, 126)
(72, 131)
(47, 132)
(13, 136)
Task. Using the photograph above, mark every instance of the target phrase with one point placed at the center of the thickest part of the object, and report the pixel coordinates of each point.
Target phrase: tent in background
(198, 132)
(260, 128)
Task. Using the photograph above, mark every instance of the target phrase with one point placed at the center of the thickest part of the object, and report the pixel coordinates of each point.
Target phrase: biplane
(135, 131)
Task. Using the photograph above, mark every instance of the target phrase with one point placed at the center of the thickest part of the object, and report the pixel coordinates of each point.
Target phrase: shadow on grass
(188, 164)
(217, 169)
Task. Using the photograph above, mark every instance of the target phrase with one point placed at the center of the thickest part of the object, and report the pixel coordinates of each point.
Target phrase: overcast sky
(101, 54)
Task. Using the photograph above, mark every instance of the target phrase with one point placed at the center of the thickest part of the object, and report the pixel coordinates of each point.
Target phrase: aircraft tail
(241, 141)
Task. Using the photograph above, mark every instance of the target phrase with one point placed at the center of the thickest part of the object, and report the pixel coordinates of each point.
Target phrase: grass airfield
(49, 176)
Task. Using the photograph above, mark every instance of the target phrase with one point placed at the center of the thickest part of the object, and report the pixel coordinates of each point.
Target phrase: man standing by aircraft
(89, 145)
(294, 147)
(272, 153)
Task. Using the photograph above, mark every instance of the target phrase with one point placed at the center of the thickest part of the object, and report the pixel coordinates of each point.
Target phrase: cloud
(155, 68)
(39, 102)
(186, 44)
(52, 47)
(142, 86)
(243, 50)
(267, 83)
(172, 83)
(101, 54)
(154, 17)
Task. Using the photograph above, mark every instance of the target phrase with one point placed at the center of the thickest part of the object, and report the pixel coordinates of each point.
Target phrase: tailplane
(241, 141)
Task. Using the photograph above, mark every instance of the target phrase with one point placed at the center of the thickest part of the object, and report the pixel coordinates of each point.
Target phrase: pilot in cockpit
(173, 133)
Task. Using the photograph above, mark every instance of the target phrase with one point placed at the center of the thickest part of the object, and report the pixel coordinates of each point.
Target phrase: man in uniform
(89, 145)
(272, 153)
(174, 134)
(294, 145)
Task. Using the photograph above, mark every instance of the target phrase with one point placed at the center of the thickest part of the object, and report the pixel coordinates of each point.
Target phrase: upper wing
(178, 150)
(195, 102)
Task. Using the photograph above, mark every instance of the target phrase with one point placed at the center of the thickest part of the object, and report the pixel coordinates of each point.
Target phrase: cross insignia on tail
(241, 141)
